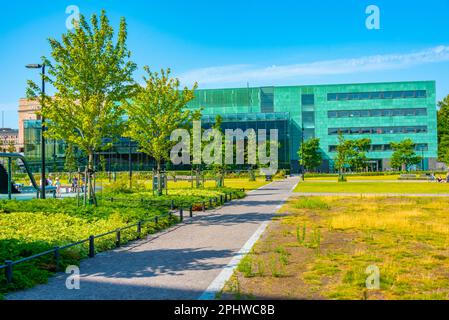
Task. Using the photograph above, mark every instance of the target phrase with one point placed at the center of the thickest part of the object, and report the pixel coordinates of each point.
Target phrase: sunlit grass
(237, 183)
(356, 178)
(407, 238)
(374, 187)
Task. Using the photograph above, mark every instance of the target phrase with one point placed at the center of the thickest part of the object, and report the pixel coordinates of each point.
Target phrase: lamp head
(33, 66)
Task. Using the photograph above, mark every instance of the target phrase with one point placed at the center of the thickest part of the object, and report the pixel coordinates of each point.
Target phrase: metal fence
(212, 203)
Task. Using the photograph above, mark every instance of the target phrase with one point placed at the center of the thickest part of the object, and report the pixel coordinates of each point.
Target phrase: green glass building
(384, 112)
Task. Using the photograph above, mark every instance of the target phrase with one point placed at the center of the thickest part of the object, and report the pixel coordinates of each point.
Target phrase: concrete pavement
(180, 263)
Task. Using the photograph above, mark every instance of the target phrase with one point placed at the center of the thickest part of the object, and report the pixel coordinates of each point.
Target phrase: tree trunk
(159, 182)
(223, 175)
(91, 189)
(197, 171)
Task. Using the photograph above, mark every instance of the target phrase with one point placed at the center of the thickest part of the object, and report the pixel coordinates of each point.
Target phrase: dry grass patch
(320, 248)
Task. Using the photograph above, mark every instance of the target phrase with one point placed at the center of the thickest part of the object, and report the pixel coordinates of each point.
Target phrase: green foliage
(351, 154)
(311, 203)
(280, 175)
(309, 154)
(156, 111)
(246, 266)
(70, 164)
(219, 170)
(31, 227)
(301, 233)
(443, 130)
(92, 76)
(35, 226)
(404, 155)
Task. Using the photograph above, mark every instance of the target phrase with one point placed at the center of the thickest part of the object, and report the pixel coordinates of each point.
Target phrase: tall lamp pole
(43, 179)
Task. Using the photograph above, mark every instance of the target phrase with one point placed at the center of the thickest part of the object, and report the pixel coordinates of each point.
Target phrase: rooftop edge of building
(423, 82)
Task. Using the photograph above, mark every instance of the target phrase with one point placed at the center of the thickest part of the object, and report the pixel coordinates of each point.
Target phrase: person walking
(58, 187)
(75, 184)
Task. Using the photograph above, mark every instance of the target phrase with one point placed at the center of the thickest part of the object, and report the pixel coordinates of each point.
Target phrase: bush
(32, 227)
(281, 174)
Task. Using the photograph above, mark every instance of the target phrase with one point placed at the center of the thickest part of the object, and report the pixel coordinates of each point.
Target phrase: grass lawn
(374, 187)
(229, 183)
(321, 247)
(357, 178)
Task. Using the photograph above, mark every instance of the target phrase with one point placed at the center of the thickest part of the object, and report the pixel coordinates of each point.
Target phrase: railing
(8, 266)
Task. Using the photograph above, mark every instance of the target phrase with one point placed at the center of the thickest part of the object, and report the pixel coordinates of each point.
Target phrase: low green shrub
(310, 203)
(35, 226)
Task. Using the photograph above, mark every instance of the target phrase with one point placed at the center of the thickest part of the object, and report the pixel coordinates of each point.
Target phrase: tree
(155, 112)
(309, 154)
(92, 77)
(360, 148)
(219, 169)
(70, 164)
(443, 130)
(351, 154)
(11, 148)
(404, 155)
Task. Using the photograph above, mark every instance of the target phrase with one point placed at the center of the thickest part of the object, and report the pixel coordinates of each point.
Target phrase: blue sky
(229, 43)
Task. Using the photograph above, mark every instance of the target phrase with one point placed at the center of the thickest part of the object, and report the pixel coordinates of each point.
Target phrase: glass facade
(378, 130)
(409, 112)
(257, 122)
(377, 95)
(384, 112)
(54, 149)
(267, 100)
(386, 147)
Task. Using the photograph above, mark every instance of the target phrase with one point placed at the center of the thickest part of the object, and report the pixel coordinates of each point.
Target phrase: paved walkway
(354, 194)
(180, 263)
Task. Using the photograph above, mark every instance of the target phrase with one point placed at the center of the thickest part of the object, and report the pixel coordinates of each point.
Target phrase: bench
(411, 177)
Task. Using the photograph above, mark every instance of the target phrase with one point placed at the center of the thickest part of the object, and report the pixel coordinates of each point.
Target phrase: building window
(309, 134)
(308, 99)
(378, 130)
(386, 147)
(409, 94)
(402, 112)
(267, 100)
(308, 118)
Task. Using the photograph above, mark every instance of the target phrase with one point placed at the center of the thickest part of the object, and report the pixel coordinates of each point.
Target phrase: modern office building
(383, 112)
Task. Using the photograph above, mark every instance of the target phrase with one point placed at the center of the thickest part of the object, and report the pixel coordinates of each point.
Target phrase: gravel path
(180, 263)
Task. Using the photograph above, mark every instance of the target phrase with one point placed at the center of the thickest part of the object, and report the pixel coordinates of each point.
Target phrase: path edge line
(219, 282)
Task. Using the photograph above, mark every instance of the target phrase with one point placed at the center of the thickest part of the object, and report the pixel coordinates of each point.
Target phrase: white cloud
(244, 72)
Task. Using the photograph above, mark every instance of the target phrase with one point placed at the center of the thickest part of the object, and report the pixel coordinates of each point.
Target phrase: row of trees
(96, 96)
(443, 130)
(351, 154)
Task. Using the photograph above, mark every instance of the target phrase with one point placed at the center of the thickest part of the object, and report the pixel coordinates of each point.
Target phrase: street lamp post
(422, 158)
(302, 155)
(43, 179)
